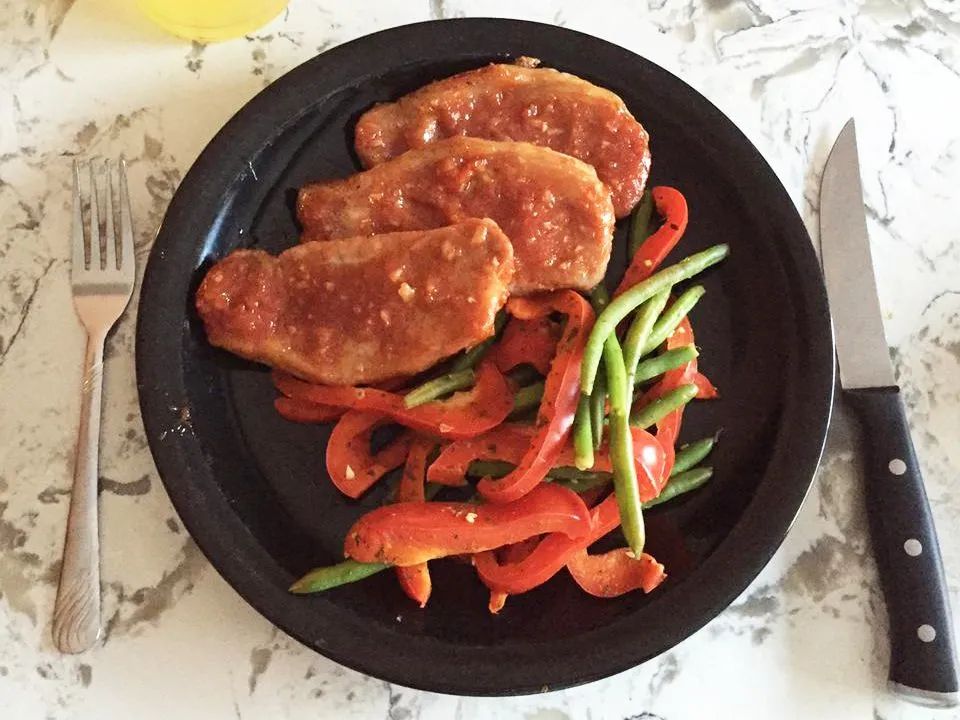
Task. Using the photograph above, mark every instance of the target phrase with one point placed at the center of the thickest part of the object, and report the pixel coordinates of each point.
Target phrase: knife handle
(922, 654)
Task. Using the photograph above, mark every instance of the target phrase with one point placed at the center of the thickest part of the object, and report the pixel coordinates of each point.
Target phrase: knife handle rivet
(897, 466)
(926, 633)
(912, 547)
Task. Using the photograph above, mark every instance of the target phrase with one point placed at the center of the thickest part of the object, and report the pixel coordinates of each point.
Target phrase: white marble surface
(805, 641)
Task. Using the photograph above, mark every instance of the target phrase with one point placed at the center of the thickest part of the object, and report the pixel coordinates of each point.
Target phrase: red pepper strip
(672, 207)
(301, 411)
(548, 558)
(506, 442)
(511, 554)
(510, 443)
(415, 579)
(531, 342)
(705, 389)
(414, 532)
(553, 552)
(464, 414)
(350, 464)
(416, 583)
(560, 396)
(497, 601)
(615, 573)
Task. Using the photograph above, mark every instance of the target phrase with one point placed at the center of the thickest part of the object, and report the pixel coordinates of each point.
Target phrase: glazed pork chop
(511, 102)
(360, 310)
(557, 214)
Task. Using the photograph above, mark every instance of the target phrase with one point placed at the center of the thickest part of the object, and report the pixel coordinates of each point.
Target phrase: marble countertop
(806, 640)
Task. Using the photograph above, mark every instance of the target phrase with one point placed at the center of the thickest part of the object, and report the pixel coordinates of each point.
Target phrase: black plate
(251, 488)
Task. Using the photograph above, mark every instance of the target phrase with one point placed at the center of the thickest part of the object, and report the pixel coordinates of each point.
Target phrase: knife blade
(922, 654)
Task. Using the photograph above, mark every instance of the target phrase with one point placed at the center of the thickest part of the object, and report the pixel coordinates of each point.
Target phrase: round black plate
(252, 490)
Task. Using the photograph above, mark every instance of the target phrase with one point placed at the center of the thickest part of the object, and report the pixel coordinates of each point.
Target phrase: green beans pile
(626, 303)
(625, 368)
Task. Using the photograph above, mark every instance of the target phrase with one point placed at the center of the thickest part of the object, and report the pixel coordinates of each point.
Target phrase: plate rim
(172, 456)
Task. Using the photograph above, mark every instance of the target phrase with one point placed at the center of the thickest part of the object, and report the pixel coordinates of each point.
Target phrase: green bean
(460, 376)
(682, 483)
(348, 571)
(656, 410)
(691, 455)
(527, 397)
(671, 318)
(577, 480)
(439, 387)
(624, 304)
(621, 446)
(581, 484)
(640, 222)
(639, 332)
(569, 474)
(669, 360)
(583, 435)
(324, 578)
(599, 297)
(474, 355)
(598, 410)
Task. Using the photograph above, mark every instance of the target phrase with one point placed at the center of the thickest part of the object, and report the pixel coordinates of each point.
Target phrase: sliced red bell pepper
(554, 551)
(560, 396)
(300, 411)
(507, 442)
(510, 442)
(547, 558)
(415, 582)
(497, 601)
(706, 390)
(350, 464)
(615, 573)
(531, 342)
(511, 554)
(464, 414)
(672, 207)
(414, 532)
(415, 579)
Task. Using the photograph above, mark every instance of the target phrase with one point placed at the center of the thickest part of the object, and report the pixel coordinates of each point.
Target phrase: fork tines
(103, 254)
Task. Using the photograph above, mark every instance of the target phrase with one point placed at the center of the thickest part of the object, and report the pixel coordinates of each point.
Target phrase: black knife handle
(922, 654)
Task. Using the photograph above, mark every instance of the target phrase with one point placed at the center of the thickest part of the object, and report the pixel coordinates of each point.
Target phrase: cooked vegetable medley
(557, 431)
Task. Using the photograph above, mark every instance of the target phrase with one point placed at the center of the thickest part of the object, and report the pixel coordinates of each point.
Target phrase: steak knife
(922, 655)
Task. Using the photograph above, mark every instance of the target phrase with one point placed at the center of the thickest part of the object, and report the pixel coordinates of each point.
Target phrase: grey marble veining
(806, 640)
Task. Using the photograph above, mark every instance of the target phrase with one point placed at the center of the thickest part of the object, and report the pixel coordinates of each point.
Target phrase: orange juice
(208, 20)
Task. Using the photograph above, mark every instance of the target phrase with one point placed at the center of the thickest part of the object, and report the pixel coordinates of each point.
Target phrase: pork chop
(510, 102)
(360, 310)
(555, 211)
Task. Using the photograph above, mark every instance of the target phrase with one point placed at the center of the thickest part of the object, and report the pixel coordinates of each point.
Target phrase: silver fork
(102, 280)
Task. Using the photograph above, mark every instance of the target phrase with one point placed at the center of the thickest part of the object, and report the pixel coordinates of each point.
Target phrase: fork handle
(76, 616)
